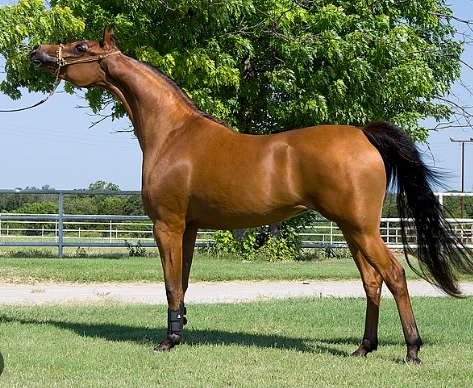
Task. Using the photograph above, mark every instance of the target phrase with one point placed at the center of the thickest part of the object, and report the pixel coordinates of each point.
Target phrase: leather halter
(61, 62)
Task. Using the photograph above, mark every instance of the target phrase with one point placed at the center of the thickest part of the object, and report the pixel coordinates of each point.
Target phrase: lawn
(148, 269)
(279, 343)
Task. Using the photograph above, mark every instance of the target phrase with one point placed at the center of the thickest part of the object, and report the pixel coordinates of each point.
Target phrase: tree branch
(453, 17)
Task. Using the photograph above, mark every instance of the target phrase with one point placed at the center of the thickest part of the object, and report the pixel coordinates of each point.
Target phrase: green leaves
(263, 66)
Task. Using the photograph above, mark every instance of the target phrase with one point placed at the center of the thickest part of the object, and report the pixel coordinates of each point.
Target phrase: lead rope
(56, 83)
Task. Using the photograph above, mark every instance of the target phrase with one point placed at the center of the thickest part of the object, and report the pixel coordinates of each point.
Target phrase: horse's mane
(183, 94)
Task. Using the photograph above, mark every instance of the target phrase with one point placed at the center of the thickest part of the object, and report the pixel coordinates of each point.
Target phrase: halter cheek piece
(61, 62)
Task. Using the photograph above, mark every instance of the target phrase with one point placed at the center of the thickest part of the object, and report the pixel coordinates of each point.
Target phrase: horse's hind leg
(375, 252)
(372, 283)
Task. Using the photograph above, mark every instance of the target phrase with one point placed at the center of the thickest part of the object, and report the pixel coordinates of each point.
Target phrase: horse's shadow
(197, 337)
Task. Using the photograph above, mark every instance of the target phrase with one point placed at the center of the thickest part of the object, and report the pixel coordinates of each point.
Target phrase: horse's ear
(108, 38)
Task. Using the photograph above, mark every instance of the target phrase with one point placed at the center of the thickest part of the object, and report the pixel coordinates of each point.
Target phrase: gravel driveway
(226, 292)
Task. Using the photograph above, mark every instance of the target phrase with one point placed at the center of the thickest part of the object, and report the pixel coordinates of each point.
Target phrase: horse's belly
(219, 215)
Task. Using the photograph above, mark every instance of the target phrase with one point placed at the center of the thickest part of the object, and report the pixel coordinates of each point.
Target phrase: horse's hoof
(365, 348)
(413, 360)
(169, 342)
(360, 352)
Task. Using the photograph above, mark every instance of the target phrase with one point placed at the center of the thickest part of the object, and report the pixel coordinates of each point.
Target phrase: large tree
(263, 65)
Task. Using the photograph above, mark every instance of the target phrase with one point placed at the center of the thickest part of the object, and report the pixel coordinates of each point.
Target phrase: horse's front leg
(188, 245)
(169, 240)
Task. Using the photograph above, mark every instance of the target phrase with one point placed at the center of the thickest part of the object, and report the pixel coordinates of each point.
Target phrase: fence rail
(118, 231)
(63, 230)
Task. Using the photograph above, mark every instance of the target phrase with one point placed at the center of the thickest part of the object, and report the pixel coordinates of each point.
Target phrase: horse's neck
(154, 106)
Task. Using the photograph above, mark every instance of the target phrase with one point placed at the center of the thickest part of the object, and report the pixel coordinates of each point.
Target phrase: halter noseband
(61, 62)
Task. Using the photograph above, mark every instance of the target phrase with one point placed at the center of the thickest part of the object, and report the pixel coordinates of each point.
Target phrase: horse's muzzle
(41, 58)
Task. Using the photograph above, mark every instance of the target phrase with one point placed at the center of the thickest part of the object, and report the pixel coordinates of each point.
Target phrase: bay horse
(199, 173)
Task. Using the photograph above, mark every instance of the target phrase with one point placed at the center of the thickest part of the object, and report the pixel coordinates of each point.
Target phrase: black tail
(440, 253)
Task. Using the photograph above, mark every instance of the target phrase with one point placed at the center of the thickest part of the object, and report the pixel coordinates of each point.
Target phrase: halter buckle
(59, 60)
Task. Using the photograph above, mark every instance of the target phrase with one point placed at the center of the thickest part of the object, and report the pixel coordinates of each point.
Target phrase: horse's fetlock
(366, 347)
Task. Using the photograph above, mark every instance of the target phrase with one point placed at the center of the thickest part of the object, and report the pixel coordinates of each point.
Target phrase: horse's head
(78, 62)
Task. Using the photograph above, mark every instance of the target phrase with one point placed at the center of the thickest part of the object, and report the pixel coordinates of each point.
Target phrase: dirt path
(225, 292)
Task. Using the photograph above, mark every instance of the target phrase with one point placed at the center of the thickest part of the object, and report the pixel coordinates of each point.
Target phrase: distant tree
(108, 204)
(79, 204)
(38, 208)
(35, 228)
(10, 202)
(133, 206)
(95, 204)
(453, 205)
(390, 206)
(102, 185)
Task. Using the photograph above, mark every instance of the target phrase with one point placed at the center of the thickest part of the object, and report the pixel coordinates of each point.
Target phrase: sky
(53, 145)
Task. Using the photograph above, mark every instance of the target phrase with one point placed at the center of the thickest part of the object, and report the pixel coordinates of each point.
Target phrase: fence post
(61, 225)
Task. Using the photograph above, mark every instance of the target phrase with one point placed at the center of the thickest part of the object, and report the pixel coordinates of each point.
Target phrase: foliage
(225, 242)
(263, 66)
(80, 204)
(135, 250)
(81, 252)
(73, 204)
(328, 253)
(103, 204)
(33, 228)
(260, 244)
(23, 25)
(14, 201)
(38, 208)
(454, 204)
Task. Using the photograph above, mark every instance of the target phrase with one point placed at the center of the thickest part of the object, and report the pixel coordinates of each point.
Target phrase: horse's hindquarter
(342, 172)
(242, 180)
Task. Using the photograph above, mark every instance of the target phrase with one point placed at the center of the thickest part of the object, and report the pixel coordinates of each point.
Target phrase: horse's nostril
(33, 51)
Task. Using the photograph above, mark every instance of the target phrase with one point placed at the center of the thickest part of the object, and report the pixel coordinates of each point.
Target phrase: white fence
(117, 231)
(61, 230)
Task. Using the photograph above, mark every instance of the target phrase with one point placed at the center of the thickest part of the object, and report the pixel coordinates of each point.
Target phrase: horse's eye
(81, 48)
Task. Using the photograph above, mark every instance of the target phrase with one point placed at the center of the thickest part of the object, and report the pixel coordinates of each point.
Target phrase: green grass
(205, 268)
(280, 343)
